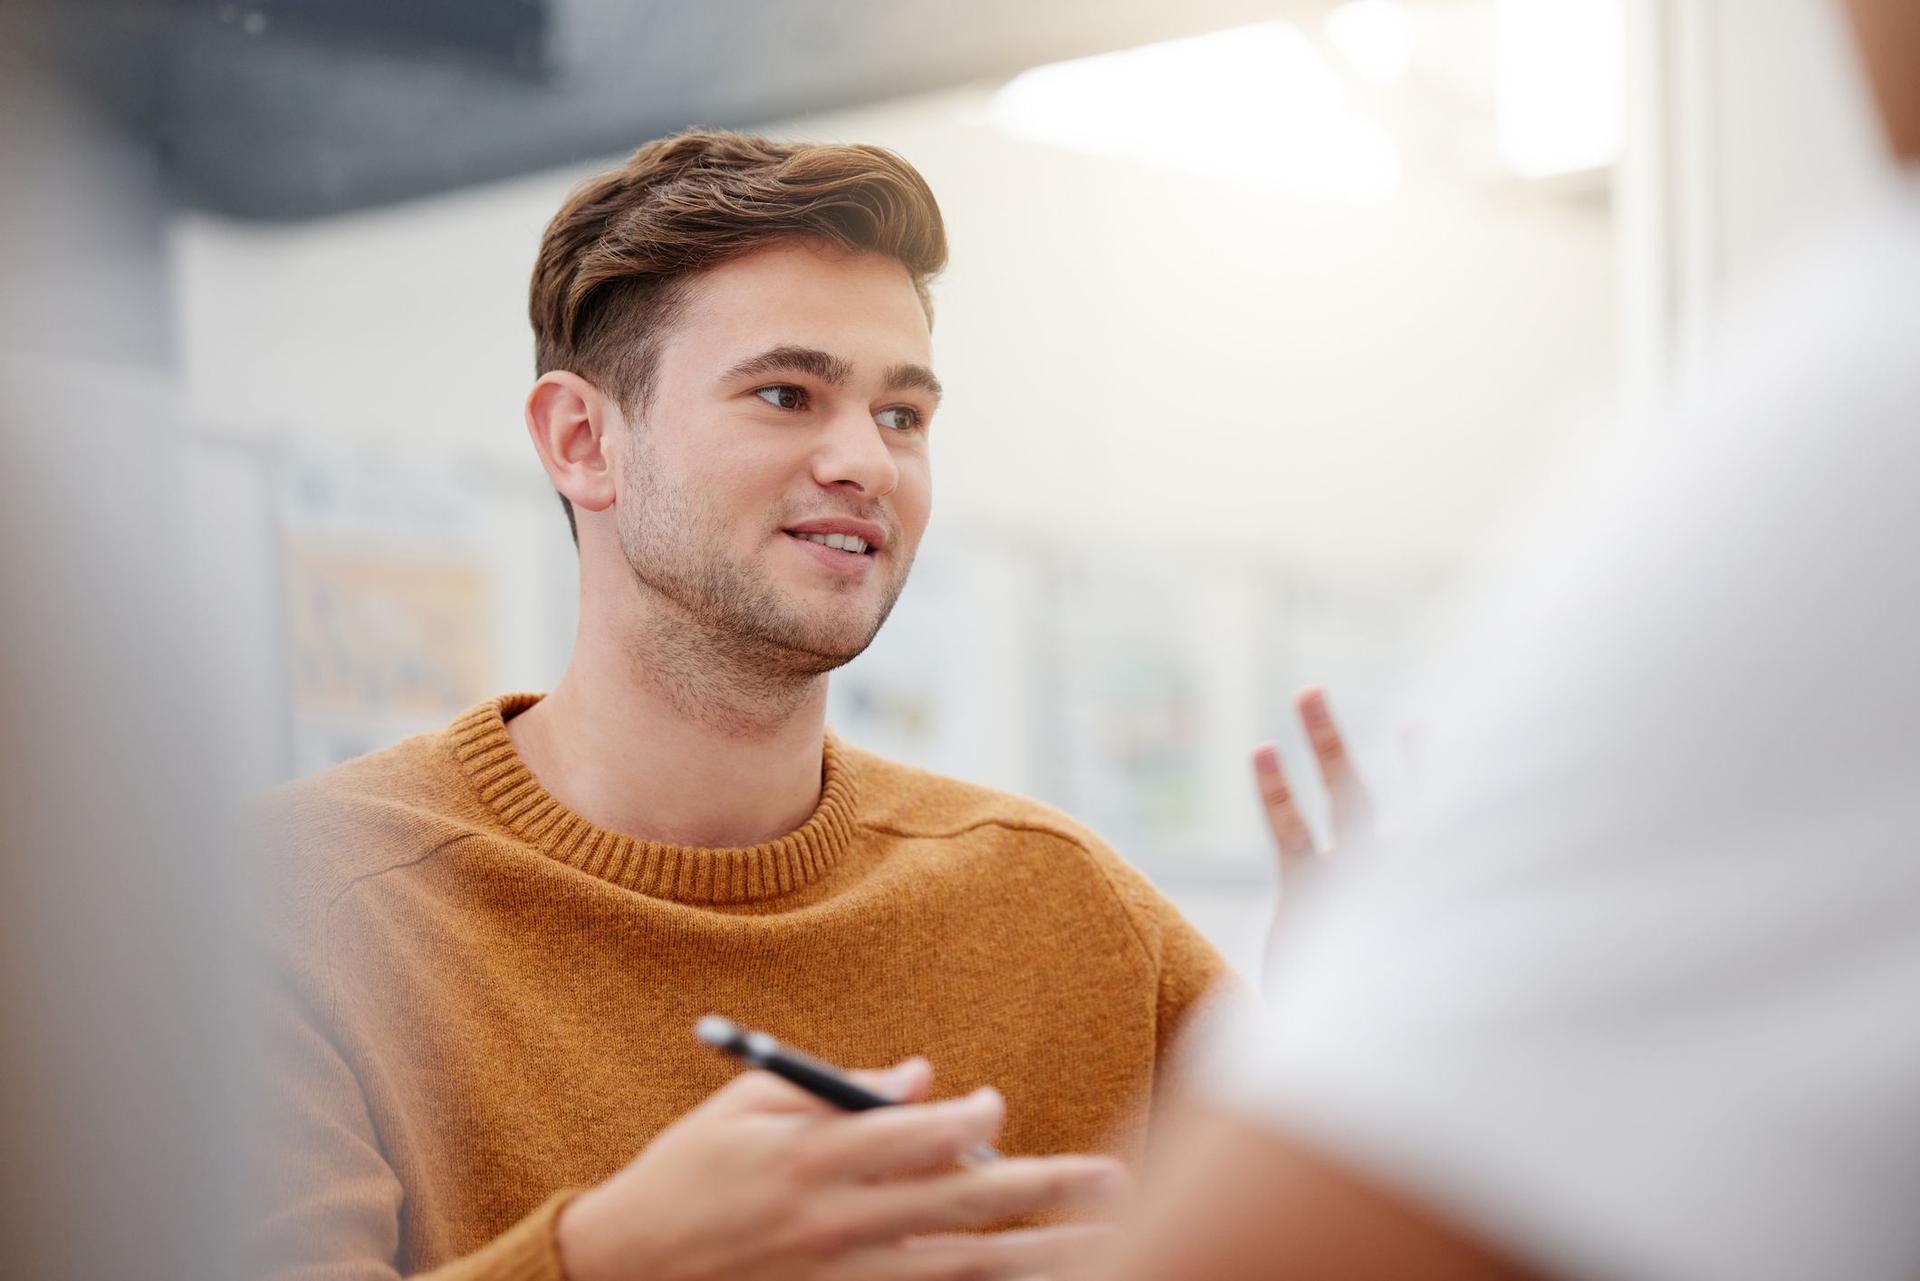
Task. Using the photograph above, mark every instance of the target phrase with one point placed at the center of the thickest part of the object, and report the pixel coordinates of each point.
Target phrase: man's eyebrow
(903, 377)
(829, 369)
(788, 359)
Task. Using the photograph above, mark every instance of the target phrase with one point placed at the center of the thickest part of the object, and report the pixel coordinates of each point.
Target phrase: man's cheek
(915, 506)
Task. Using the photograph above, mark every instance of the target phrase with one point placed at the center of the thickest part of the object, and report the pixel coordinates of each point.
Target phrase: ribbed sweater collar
(679, 872)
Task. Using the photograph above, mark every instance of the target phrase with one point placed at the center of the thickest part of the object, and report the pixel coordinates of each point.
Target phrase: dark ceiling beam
(304, 108)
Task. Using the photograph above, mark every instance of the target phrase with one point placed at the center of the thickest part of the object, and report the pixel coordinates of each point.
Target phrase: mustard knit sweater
(483, 1001)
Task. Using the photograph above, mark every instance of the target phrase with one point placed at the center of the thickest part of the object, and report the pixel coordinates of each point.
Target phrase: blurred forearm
(1237, 1202)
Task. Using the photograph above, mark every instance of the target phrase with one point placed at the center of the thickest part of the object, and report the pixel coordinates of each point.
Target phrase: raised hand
(1351, 807)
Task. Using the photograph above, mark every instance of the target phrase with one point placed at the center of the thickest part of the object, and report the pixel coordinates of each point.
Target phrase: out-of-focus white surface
(1632, 990)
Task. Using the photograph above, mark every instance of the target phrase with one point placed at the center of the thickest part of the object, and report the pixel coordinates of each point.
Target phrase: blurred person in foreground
(1635, 992)
(121, 1053)
(497, 938)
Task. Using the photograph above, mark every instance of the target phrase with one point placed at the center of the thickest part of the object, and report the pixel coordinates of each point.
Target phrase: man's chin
(828, 628)
(820, 644)
(839, 625)
(831, 651)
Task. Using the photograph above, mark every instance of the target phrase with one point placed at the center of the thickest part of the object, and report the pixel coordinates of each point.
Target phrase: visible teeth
(839, 542)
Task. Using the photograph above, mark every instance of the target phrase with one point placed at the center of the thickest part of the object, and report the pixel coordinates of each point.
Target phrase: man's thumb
(905, 1082)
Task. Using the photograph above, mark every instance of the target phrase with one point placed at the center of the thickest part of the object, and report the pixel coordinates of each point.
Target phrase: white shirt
(1635, 988)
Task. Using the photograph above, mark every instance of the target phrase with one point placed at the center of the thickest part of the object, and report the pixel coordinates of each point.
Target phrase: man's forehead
(795, 275)
(860, 309)
(801, 273)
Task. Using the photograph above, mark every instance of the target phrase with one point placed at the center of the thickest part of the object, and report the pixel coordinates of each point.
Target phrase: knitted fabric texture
(481, 1000)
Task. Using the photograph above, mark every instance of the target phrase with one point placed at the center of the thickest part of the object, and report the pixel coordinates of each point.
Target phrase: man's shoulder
(906, 800)
(370, 814)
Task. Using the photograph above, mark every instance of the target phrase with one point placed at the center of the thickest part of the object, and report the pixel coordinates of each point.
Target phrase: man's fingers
(1328, 747)
(905, 1140)
(1351, 806)
(757, 1091)
(977, 1197)
(905, 1082)
(1290, 833)
(1033, 1252)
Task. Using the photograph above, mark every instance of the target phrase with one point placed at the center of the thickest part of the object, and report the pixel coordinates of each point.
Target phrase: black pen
(822, 1080)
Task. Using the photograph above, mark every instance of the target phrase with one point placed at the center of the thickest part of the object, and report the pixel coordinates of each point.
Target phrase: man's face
(790, 407)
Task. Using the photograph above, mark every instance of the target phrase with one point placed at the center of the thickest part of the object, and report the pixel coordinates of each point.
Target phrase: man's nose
(853, 454)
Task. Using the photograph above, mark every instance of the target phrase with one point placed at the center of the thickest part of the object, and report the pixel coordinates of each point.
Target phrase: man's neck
(626, 751)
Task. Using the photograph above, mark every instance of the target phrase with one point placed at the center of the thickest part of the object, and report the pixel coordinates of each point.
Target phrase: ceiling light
(1374, 36)
(1559, 82)
(1255, 105)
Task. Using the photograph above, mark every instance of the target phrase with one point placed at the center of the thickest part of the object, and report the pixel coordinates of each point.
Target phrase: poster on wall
(387, 593)
(946, 683)
(1149, 667)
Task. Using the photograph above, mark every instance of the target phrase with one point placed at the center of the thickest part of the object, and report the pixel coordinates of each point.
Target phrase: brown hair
(614, 262)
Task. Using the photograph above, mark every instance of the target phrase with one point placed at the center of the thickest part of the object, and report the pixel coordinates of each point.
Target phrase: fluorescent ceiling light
(1255, 105)
(1559, 83)
(1374, 36)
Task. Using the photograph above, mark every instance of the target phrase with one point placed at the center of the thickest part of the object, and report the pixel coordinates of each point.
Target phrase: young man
(1636, 993)
(498, 937)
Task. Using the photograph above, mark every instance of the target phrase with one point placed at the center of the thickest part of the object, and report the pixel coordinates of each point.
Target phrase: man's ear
(570, 420)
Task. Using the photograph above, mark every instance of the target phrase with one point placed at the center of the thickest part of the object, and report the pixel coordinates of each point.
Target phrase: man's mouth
(838, 542)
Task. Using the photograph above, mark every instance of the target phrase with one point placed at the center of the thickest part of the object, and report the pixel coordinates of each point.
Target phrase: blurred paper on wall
(950, 681)
(387, 590)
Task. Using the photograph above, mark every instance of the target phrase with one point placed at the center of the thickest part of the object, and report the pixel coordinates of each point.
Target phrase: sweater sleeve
(1186, 967)
(1191, 969)
(332, 1202)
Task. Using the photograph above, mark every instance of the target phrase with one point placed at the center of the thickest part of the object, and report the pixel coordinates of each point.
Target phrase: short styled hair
(615, 262)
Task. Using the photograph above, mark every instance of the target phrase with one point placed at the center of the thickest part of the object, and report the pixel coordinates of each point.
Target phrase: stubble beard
(724, 645)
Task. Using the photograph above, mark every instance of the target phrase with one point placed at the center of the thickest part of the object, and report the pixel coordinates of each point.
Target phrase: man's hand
(764, 1182)
(1351, 808)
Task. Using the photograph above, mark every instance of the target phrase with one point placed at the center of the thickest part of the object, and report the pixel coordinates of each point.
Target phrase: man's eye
(898, 417)
(783, 396)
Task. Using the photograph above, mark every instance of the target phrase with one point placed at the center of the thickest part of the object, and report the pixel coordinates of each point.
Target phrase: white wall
(1753, 131)
(1126, 350)
(1797, 140)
